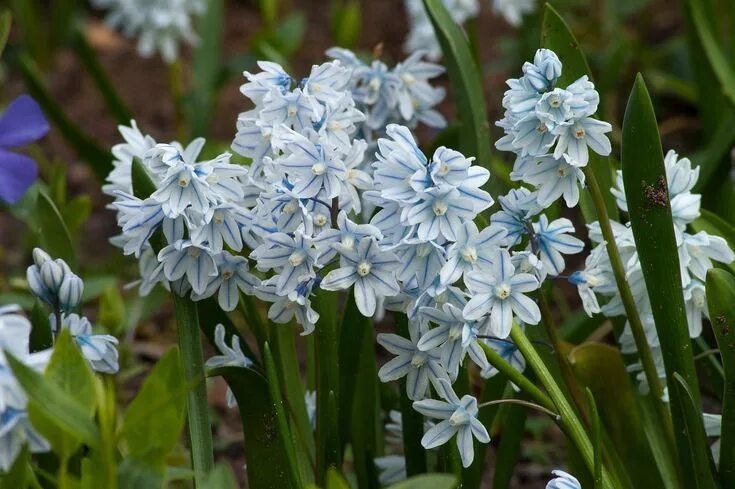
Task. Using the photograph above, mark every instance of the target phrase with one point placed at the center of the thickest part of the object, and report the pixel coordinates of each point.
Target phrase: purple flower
(21, 124)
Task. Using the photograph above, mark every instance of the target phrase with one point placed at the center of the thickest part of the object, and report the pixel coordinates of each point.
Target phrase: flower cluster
(398, 95)
(551, 129)
(159, 24)
(697, 252)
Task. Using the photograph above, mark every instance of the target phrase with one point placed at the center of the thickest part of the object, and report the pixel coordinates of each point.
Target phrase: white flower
(555, 240)
(100, 350)
(370, 270)
(232, 277)
(501, 293)
(459, 416)
(293, 257)
(419, 367)
(184, 258)
(472, 250)
(231, 356)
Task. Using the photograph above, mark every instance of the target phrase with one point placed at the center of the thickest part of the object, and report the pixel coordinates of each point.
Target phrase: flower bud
(40, 257)
(70, 292)
(52, 275)
(35, 283)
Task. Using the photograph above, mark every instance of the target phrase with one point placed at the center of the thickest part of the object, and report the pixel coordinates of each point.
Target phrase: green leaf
(154, 420)
(99, 159)
(111, 311)
(646, 189)
(600, 368)
(428, 481)
(556, 35)
(711, 45)
(135, 472)
(221, 477)
(50, 401)
(264, 447)
(284, 429)
(353, 330)
(346, 21)
(494, 389)
(53, 235)
(466, 83)
(721, 302)
(289, 34)
(19, 474)
(702, 464)
(335, 480)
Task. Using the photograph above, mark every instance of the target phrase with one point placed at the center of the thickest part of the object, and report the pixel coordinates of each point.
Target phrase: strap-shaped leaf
(557, 36)
(721, 301)
(466, 82)
(428, 481)
(646, 189)
(5, 22)
(264, 450)
(513, 426)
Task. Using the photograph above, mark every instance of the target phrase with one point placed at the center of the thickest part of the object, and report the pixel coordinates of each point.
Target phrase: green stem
(200, 428)
(517, 378)
(631, 311)
(570, 424)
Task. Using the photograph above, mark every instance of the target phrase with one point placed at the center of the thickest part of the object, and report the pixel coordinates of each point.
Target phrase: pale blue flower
(563, 480)
(509, 352)
(713, 428)
(695, 303)
(585, 98)
(531, 136)
(440, 211)
(472, 250)
(293, 257)
(260, 84)
(513, 10)
(459, 416)
(370, 270)
(100, 350)
(232, 277)
(555, 178)
(555, 240)
(545, 70)
(701, 249)
(554, 107)
(327, 82)
(230, 356)
(574, 139)
(356, 179)
(313, 167)
(184, 258)
(348, 234)
(419, 367)
(501, 294)
(183, 185)
(53, 282)
(310, 403)
(518, 206)
(454, 336)
(392, 469)
(448, 166)
(339, 123)
(419, 259)
(138, 220)
(401, 166)
(222, 224)
(295, 305)
(295, 110)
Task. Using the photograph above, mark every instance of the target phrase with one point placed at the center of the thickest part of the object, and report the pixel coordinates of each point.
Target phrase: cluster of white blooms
(696, 255)
(551, 128)
(55, 284)
(421, 34)
(160, 25)
(399, 95)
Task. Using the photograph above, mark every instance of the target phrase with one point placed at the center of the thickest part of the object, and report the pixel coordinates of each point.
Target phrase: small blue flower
(231, 356)
(555, 240)
(563, 480)
(184, 258)
(21, 124)
(545, 70)
(459, 416)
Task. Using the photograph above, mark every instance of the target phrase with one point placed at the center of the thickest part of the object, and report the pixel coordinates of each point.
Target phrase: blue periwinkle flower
(21, 124)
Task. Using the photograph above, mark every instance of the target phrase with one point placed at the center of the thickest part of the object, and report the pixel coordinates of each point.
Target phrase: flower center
(194, 252)
(423, 250)
(296, 258)
(443, 169)
(554, 102)
(408, 78)
(292, 110)
(579, 132)
(289, 208)
(334, 125)
(318, 168)
(541, 128)
(315, 87)
(469, 254)
(218, 218)
(561, 172)
(459, 417)
(418, 360)
(502, 291)
(440, 208)
(363, 268)
(348, 241)
(455, 333)
(183, 181)
(320, 219)
(227, 274)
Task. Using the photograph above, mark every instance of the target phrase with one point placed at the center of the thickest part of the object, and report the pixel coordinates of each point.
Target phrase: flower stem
(569, 422)
(517, 377)
(200, 428)
(176, 83)
(521, 402)
(631, 311)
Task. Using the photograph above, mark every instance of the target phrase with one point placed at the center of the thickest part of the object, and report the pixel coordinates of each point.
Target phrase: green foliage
(52, 231)
(206, 69)
(5, 23)
(721, 301)
(466, 83)
(346, 20)
(645, 182)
